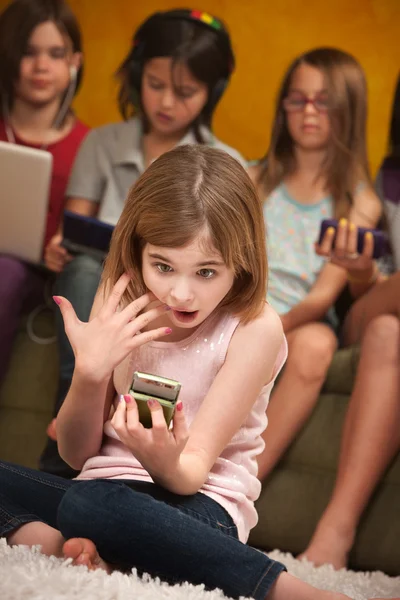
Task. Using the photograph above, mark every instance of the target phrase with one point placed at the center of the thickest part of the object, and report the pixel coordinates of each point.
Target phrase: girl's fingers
(54, 266)
(325, 248)
(180, 429)
(340, 249)
(67, 312)
(126, 418)
(159, 424)
(352, 239)
(132, 414)
(116, 294)
(134, 308)
(118, 420)
(368, 247)
(149, 336)
(146, 318)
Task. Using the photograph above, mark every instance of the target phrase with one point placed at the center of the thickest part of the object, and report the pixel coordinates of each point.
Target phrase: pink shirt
(195, 362)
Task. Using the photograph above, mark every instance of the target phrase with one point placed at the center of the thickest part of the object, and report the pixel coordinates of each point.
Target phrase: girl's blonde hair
(187, 191)
(346, 163)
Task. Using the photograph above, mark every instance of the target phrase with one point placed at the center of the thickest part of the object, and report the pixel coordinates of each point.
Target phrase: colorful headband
(205, 18)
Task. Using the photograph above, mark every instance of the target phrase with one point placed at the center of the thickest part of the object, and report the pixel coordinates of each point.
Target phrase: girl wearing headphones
(171, 81)
(40, 56)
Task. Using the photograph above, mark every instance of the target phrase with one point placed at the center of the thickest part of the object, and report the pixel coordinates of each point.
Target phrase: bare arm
(84, 411)
(367, 208)
(81, 419)
(99, 346)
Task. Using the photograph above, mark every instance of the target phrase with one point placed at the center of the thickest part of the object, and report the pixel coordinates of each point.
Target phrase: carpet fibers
(26, 574)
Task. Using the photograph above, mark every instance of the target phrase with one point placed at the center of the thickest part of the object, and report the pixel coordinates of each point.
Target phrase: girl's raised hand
(158, 448)
(342, 250)
(102, 343)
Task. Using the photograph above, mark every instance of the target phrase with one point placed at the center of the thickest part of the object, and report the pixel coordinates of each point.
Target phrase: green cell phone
(153, 387)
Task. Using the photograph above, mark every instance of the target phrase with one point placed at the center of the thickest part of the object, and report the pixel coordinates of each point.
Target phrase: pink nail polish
(57, 300)
(168, 330)
(151, 403)
(179, 406)
(127, 398)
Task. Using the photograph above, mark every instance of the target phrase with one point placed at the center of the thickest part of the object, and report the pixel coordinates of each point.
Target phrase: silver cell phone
(153, 387)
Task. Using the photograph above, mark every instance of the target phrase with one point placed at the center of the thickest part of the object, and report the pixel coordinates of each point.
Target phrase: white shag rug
(25, 574)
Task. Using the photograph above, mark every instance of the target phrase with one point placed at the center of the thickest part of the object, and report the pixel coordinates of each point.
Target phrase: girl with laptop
(41, 58)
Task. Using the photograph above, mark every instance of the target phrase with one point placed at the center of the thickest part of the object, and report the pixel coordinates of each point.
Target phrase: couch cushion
(342, 371)
(31, 379)
(28, 394)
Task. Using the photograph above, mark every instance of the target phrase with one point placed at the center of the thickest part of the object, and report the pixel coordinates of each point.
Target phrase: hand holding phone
(349, 242)
(144, 429)
(152, 387)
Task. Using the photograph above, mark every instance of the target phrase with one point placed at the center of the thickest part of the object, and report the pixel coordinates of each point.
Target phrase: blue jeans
(78, 282)
(141, 525)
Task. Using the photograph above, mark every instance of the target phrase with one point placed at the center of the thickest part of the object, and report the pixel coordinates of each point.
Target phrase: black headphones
(194, 16)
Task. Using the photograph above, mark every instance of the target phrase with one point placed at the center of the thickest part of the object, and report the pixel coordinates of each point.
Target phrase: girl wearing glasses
(371, 432)
(316, 168)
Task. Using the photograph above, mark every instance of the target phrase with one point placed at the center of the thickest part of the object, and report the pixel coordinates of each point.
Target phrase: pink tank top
(195, 362)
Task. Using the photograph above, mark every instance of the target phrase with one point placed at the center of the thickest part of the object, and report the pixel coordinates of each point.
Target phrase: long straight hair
(346, 163)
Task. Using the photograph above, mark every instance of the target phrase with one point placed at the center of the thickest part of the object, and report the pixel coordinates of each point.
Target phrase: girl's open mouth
(185, 316)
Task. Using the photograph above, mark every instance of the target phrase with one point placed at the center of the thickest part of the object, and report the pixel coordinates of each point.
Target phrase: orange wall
(266, 36)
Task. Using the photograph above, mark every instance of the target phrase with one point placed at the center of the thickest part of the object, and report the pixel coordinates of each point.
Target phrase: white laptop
(25, 175)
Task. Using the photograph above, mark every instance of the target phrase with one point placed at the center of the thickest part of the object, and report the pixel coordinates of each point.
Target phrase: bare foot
(330, 546)
(84, 552)
(286, 586)
(38, 533)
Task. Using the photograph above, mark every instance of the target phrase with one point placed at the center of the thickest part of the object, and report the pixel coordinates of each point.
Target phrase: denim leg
(177, 538)
(78, 282)
(27, 495)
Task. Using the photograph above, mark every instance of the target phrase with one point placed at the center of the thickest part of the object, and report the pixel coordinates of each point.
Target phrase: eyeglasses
(298, 102)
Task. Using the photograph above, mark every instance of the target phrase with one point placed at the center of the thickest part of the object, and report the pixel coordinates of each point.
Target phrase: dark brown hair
(206, 51)
(188, 190)
(17, 23)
